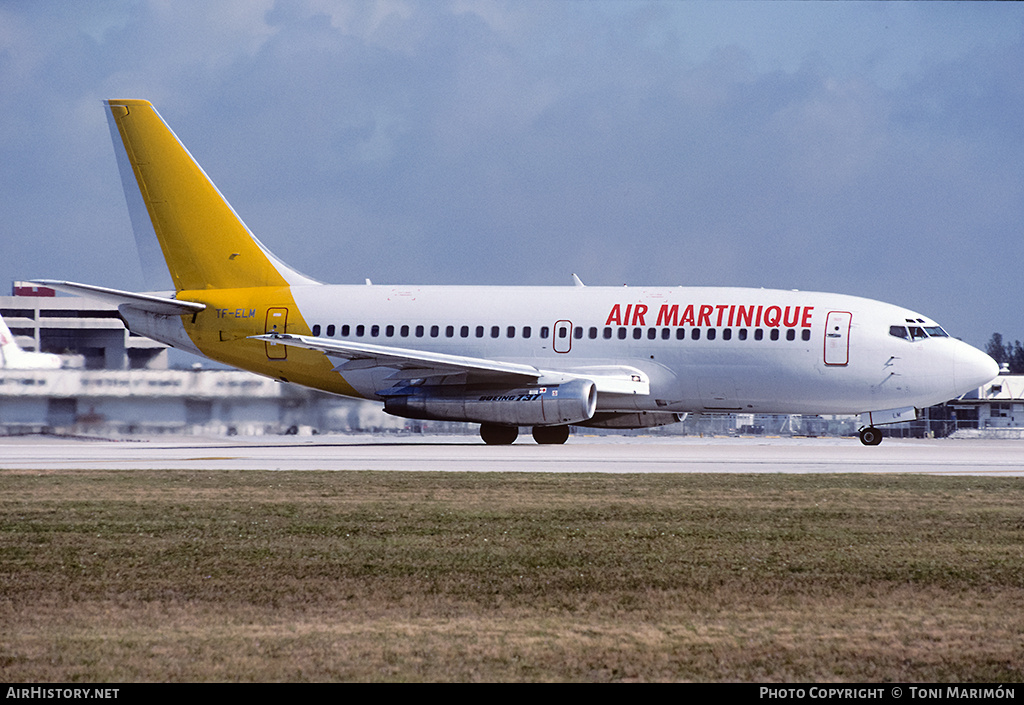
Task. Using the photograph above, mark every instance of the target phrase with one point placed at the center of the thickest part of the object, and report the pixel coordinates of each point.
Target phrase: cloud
(490, 142)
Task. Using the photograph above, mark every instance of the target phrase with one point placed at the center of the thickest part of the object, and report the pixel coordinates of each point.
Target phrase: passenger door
(837, 338)
(561, 339)
(277, 322)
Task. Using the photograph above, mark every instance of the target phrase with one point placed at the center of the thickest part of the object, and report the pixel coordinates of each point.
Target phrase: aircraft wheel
(495, 435)
(553, 435)
(870, 436)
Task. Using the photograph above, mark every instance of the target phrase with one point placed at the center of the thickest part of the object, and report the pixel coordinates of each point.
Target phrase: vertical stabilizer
(12, 357)
(204, 243)
(8, 348)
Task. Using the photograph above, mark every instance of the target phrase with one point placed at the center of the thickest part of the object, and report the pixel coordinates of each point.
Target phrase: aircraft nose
(972, 368)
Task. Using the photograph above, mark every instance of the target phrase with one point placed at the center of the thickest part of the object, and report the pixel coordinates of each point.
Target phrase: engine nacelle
(552, 405)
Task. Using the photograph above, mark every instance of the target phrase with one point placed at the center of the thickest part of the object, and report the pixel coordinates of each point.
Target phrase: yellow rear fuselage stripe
(221, 332)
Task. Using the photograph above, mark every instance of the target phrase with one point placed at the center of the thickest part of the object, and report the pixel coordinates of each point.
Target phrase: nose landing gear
(870, 436)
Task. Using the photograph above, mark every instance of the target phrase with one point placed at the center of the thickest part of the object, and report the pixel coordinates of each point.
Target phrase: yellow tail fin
(204, 242)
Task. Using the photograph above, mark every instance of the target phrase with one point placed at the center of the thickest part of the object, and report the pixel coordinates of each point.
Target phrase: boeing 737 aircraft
(505, 357)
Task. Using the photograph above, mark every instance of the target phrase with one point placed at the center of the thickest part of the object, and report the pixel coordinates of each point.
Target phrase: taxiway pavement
(618, 454)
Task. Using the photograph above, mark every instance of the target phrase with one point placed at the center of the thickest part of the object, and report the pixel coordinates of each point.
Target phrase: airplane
(505, 357)
(12, 357)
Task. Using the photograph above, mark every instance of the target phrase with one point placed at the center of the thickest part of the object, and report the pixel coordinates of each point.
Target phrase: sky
(867, 148)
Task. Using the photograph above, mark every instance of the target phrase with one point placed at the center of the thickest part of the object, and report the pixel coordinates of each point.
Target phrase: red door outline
(561, 337)
(837, 338)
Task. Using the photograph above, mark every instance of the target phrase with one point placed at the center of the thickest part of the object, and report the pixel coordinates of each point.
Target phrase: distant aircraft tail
(203, 242)
(12, 357)
(8, 348)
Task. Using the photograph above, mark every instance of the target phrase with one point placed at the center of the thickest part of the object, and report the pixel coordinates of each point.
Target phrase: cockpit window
(913, 333)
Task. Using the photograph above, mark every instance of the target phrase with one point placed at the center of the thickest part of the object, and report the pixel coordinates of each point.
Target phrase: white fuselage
(703, 348)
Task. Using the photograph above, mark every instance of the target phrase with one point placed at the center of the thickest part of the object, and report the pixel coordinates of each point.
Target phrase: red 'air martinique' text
(707, 315)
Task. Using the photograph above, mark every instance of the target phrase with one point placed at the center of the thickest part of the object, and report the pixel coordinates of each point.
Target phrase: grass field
(298, 576)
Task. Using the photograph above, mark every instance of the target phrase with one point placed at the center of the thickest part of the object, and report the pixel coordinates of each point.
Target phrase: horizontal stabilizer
(159, 305)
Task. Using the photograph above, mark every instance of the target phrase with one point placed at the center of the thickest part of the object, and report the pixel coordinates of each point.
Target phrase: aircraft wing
(419, 364)
(161, 305)
(409, 364)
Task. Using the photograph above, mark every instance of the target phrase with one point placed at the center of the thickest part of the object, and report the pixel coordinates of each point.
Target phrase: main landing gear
(495, 435)
(870, 436)
(550, 435)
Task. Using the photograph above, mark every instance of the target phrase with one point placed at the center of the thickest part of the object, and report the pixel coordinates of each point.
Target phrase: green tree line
(1009, 353)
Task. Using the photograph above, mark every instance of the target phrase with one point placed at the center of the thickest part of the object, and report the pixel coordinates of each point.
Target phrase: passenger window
(389, 331)
(374, 330)
(806, 334)
(607, 334)
(712, 332)
(316, 330)
(637, 333)
(742, 334)
(526, 331)
(695, 334)
(511, 332)
(592, 333)
(790, 334)
(577, 333)
(479, 331)
(404, 331)
(666, 333)
(758, 334)
(435, 331)
(727, 334)
(495, 331)
(680, 333)
(464, 331)
(775, 334)
(419, 331)
(360, 329)
(622, 333)
(344, 331)
(899, 332)
(449, 332)
(330, 330)
(544, 332)
(652, 333)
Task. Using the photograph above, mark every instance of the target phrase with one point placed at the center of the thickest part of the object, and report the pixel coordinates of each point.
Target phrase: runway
(607, 454)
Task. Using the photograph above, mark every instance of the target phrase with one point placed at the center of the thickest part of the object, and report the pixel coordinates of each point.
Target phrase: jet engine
(568, 403)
